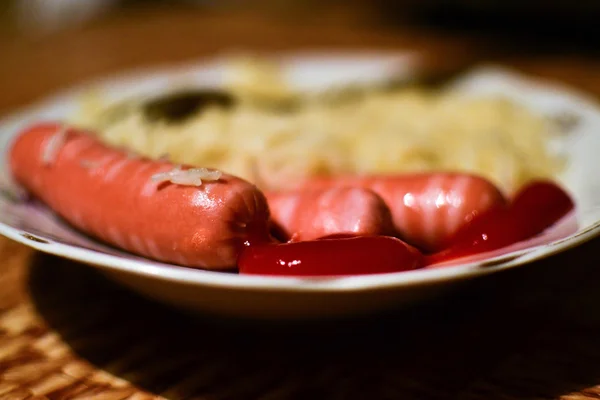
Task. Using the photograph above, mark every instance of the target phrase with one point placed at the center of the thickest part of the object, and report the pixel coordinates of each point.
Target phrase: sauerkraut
(275, 137)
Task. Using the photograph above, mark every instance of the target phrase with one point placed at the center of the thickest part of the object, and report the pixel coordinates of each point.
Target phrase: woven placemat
(66, 332)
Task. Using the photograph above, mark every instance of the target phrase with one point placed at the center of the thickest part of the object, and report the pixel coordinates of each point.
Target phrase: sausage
(535, 208)
(331, 257)
(110, 195)
(311, 214)
(427, 209)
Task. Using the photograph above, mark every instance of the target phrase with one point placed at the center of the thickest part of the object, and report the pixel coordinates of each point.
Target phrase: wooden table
(67, 333)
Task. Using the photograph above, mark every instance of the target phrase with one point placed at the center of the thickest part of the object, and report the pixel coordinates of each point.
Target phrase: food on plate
(204, 218)
(180, 106)
(264, 129)
(264, 177)
(534, 208)
(181, 215)
(311, 214)
(335, 256)
(427, 209)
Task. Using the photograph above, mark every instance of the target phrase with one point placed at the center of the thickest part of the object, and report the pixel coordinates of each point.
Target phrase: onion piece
(188, 177)
(53, 145)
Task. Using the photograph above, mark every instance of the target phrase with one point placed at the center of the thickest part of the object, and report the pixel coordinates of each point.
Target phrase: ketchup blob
(535, 208)
(331, 257)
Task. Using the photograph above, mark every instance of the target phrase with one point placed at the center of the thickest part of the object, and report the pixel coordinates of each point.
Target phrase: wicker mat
(68, 333)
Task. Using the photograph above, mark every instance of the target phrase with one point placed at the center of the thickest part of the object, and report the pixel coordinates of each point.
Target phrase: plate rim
(174, 273)
(190, 276)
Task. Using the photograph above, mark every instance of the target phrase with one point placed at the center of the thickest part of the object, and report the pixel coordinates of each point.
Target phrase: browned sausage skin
(107, 193)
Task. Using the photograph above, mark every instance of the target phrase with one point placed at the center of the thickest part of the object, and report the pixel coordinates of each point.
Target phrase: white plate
(254, 296)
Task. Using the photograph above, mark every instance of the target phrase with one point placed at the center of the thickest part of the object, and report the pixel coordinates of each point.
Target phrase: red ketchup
(534, 209)
(331, 256)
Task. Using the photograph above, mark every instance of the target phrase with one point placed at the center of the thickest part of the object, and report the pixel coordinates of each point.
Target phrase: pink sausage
(427, 209)
(110, 195)
(311, 214)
